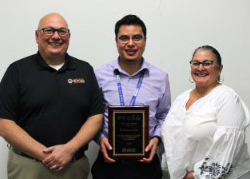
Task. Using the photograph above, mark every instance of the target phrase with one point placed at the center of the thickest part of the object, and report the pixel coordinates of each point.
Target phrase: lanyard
(138, 86)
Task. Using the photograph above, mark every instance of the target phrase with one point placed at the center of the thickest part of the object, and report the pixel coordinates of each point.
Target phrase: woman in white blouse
(204, 133)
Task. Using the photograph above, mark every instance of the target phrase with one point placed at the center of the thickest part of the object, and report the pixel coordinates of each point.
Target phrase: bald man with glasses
(50, 108)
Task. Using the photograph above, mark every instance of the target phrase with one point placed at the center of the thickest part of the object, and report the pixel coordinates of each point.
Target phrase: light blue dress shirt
(154, 92)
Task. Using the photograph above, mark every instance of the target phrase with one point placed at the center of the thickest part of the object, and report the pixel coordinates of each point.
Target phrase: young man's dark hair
(130, 20)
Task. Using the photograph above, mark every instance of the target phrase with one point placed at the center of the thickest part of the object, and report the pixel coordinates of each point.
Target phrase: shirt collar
(68, 65)
(145, 66)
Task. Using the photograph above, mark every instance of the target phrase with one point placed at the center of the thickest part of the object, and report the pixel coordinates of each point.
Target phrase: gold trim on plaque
(143, 130)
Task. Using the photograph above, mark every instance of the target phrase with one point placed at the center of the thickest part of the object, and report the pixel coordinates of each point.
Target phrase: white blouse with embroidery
(208, 138)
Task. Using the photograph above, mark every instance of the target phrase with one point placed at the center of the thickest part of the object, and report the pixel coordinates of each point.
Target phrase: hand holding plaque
(128, 132)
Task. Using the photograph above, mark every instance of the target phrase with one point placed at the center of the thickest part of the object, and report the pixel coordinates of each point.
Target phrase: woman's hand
(189, 175)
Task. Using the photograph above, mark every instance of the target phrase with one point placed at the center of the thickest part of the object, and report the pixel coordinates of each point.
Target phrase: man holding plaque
(131, 86)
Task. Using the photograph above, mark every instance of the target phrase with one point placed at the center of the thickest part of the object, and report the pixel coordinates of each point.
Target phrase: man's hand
(104, 145)
(59, 157)
(20, 139)
(189, 175)
(152, 146)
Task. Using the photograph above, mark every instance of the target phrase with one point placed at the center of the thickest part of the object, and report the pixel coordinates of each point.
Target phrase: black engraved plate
(128, 132)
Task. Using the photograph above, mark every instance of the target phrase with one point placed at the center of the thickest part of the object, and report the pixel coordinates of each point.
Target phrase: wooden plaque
(128, 132)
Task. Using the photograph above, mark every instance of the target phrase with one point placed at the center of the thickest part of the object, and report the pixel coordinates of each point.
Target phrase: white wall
(175, 29)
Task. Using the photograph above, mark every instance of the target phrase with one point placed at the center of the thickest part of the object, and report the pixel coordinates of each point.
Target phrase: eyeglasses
(50, 31)
(205, 63)
(136, 39)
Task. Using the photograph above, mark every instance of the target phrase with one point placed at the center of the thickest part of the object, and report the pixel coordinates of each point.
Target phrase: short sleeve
(96, 105)
(9, 94)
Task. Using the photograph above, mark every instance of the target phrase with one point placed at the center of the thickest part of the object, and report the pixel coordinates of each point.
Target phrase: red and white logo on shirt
(76, 81)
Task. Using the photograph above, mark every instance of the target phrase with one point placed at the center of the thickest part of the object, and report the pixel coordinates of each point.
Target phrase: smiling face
(52, 46)
(205, 76)
(133, 49)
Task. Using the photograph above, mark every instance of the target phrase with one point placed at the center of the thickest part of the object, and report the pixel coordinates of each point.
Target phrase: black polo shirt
(48, 104)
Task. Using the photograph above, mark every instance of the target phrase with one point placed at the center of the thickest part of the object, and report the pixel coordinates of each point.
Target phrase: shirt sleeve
(163, 108)
(104, 130)
(228, 140)
(96, 106)
(9, 94)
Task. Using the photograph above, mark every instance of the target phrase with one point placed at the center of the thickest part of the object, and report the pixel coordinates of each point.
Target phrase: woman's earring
(220, 79)
(191, 80)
